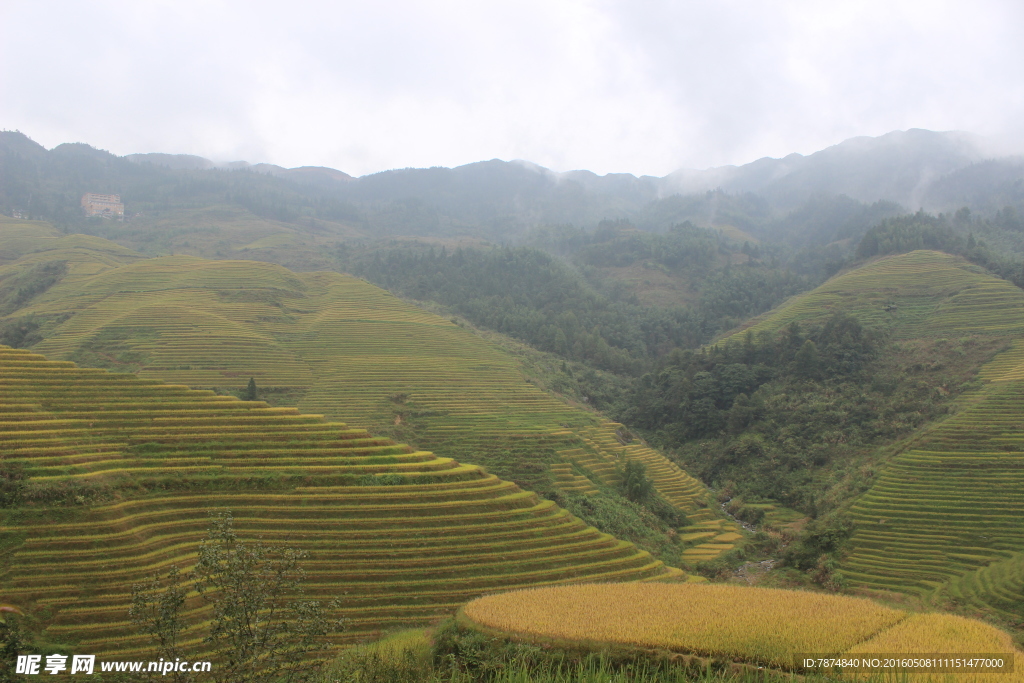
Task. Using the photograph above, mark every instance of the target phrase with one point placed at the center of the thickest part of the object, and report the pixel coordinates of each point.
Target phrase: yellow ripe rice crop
(946, 634)
(756, 625)
(766, 626)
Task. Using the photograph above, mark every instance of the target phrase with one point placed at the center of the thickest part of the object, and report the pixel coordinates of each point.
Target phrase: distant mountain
(177, 162)
(190, 162)
(937, 171)
(986, 186)
(502, 200)
(901, 167)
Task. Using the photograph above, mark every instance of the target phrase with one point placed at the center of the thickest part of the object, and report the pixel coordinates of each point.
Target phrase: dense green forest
(564, 306)
(49, 186)
(781, 417)
(786, 417)
(954, 235)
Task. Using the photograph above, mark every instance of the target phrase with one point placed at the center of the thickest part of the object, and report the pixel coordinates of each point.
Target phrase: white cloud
(644, 87)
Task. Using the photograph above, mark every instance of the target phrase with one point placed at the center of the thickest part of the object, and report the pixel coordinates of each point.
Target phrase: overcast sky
(638, 87)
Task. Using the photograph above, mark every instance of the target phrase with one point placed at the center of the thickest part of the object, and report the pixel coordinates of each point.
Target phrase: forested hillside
(791, 334)
(337, 346)
(577, 309)
(894, 380)
(169, 198)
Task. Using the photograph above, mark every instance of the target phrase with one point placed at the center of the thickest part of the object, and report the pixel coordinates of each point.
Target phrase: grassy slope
(934, 294)
(226, 231)
(122, 473)
(36, 241)
(337, 346)
(950, 501)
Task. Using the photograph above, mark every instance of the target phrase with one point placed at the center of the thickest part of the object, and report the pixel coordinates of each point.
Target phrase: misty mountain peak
(898, 166)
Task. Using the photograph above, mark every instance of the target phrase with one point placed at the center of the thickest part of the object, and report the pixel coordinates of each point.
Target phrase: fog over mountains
(914, 168)
(833, 194)
(901, 167)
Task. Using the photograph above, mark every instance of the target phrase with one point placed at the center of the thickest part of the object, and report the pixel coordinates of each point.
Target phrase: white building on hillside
(105, 205)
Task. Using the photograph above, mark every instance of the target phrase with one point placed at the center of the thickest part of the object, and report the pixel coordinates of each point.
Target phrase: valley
(435, 386)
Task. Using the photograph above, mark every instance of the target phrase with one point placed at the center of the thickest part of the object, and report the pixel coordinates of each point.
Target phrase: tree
(250, 391)
(13, 642)
(260, 628)
(158, 611)
(12, 483)
(635, 484)
(807, 360)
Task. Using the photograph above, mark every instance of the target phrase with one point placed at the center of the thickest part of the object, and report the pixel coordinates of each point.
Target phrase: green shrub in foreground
(459, 655)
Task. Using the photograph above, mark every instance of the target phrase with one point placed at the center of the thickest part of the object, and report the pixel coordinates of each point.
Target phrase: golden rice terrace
(123, 473)
(332, 345)
(760, 626)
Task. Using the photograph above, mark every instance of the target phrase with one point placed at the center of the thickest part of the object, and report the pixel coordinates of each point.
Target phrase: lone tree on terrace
(250, 391)
(635, 484)
(261, 631)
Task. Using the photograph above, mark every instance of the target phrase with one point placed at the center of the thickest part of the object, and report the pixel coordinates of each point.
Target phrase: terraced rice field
(996, 589)
(928, 294)
(24, 244)
(952, 501)
(333, 345)
(602, 456)
(151, 461)
(950, 504)
(761, 626)
(340, 346)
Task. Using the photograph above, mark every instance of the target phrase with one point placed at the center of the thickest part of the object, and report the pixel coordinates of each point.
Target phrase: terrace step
(406, 549)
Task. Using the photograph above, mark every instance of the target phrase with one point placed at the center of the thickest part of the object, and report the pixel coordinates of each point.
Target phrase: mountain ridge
(501, 200)
(899, 166)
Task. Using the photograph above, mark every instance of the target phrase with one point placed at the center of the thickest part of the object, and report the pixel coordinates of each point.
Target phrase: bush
(461, 649)
(13, 642)
(823, 537)
(635, 484)
(260, 631)
(12, 484)
(723, 566)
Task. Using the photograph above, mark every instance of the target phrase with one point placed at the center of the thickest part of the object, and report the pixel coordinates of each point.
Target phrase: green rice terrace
(600, 456)
(917, 295)
(333, 345)
(996, 589)
(945, 517)
(948, 505)
(122, 473)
